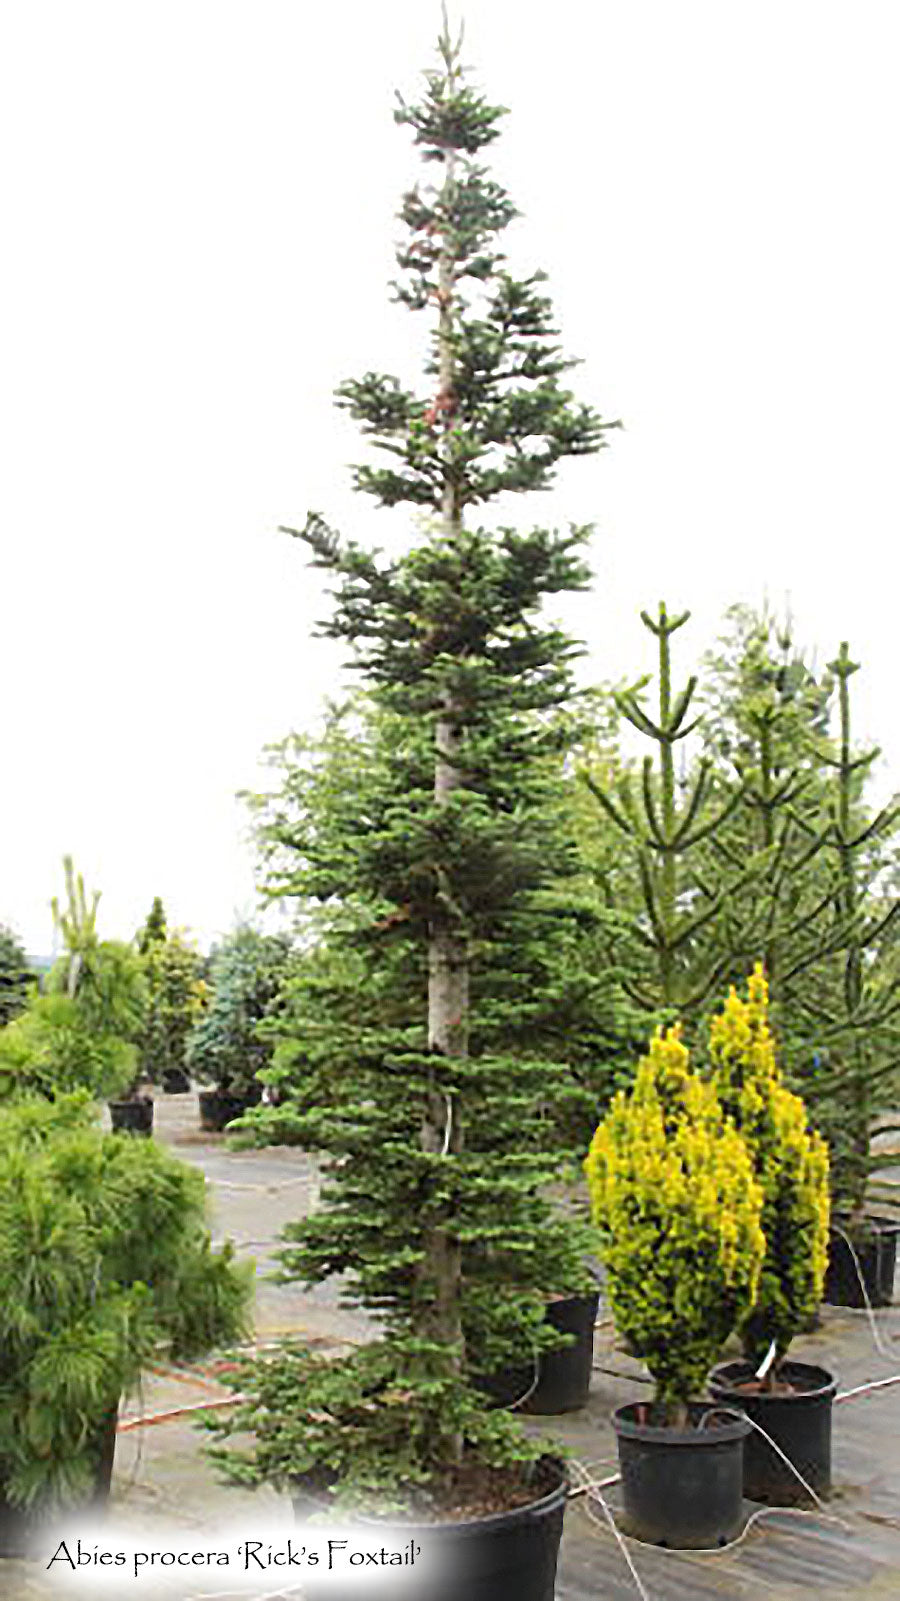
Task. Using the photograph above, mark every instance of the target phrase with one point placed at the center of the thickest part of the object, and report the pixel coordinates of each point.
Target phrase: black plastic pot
(20, 1529)
(218, 1109)
(563, 1377)
(800, 1424)
(510, 1556)
(132, 1117)
(175, 1081)
(876, 1253)
(681, 1487)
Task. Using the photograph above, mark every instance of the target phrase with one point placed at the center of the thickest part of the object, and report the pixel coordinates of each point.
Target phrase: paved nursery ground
(162, 1482)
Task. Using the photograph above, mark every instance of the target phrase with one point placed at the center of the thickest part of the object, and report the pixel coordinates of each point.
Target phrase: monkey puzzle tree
(679, 942)
(856, 1012)
(437, 1208)
(768, 717)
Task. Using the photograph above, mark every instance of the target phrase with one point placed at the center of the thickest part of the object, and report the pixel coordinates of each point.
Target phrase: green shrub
(673, 1191)
(111, 989)
(364, 1428)
(154, 931)
(226, 1047)
(82, 1033)
(105, 1264)
(15, 976)
(791, 1164)
(52, 1049)
(176, 996)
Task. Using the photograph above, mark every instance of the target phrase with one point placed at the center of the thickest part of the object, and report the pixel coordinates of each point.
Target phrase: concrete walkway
(162, 1482)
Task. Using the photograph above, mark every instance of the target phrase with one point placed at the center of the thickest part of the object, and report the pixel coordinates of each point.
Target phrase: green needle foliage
(674, 1192)
(438, 1147)
(109, 1006)
(225, 1046)
(78, 924)
(535, 992)
(790, 1161)
(678, 930)
(86, 1029)
(105, 1265)
(51, 1049)
(15, 976)
(857, 1073)
(176, 996)
(768, 717)
(154, 931)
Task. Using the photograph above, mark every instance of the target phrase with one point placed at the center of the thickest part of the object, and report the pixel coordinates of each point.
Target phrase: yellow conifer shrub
(791, 1164)
(674, 1193)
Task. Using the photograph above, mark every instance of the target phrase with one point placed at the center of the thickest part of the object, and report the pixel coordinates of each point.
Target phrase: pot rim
(546, 1502)
(879, 1223)
(665, 1434)
(562, 1297)
(720, 1387)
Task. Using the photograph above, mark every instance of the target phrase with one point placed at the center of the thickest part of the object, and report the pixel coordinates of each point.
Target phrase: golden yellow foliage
(790, 1160)
(673, 1191)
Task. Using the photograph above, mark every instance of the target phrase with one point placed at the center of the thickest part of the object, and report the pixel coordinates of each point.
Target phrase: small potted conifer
(225, 1047)
(104, 983)
(674, 1193)
(788, 1399)
(176, 996)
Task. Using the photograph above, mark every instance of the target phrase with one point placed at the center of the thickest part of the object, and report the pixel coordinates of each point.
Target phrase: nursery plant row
(549, 1001)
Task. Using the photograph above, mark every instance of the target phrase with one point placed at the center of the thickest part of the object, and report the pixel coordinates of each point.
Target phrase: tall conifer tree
(436, 1203)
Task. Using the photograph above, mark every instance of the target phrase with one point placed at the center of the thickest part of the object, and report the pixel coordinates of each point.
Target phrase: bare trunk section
(448, 958)
(669, 881)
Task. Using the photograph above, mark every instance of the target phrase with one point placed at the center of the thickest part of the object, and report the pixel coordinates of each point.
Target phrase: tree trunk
(448, 958)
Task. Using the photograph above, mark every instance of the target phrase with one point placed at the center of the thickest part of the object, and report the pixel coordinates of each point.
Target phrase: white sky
(198, 203)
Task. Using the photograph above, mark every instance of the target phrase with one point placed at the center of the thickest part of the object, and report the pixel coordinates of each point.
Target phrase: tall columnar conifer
(155, 930)
(436, 1202)
(674, 1192)
(790, 1160)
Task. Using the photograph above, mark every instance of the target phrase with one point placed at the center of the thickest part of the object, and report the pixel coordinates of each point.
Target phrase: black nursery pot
(800, 1424)
(564, 1376)
(218, 1109)
(175, 1081)
(876, 1253)
(510, 1556)
(21, 1529)
(681, 1487)
(132, 1117)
